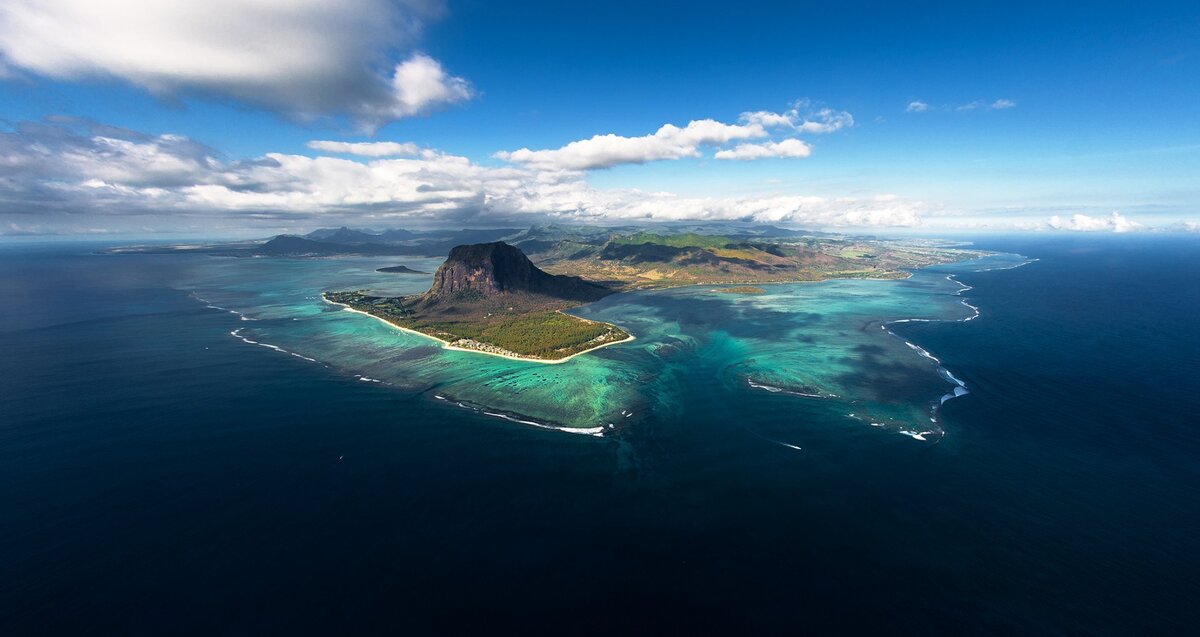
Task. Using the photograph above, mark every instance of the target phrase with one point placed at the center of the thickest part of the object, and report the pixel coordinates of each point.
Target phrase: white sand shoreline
(446, 344)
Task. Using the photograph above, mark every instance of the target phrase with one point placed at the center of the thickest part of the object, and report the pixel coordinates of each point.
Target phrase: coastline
(449, 346)
(959, 388)
(446, 344)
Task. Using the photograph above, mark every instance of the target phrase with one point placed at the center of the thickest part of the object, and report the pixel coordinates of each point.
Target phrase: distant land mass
(400, 269)
(626, 257)
(491, 298)
(335, 242)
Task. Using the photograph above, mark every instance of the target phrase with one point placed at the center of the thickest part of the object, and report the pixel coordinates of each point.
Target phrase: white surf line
(213, 306)
(780, 390)
(237, 334)
(597, 431)
(961, 387)
(589, 431)
(964, 288)
(1011, 267)
(446, 344)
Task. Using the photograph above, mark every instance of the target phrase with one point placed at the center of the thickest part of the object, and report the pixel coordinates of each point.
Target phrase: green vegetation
(688, 240)
(652, 260)
(545, 335)
(743, 289)
(491, 298)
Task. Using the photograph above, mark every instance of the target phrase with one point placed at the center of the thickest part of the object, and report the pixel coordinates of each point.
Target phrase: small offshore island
(399, 269)
(490, 298)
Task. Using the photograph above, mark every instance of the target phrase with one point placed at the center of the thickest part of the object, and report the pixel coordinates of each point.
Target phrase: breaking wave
(597, 431)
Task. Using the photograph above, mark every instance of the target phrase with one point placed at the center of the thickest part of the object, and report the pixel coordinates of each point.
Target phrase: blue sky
(143, 116)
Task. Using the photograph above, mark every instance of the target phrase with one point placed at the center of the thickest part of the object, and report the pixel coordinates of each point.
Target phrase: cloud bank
(1116, 222)
(306, 59)
(78, 172)
(367, 149)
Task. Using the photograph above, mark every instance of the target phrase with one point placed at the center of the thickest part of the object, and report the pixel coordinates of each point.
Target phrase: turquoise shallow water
(823, 345)
(160, 476)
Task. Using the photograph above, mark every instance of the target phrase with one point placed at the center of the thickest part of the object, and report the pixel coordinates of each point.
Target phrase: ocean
(200, 445)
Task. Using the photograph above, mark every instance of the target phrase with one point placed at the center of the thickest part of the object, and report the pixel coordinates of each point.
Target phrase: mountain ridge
(488, 270)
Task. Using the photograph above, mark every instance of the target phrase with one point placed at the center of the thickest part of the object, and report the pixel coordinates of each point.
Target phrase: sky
(248, 117)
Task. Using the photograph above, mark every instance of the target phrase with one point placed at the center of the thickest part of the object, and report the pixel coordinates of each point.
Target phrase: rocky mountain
(342, 235)
(496, 271)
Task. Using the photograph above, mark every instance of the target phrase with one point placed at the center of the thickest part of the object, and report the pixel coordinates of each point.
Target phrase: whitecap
(238, 335)
(923, 352)
(589, 431)
(780, 390)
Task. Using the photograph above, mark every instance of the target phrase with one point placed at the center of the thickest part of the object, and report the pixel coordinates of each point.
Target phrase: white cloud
(997, 105)
(802, 118)
(826, 120)
(367, 149)
(89, 171)
(1116, 222)
(305, 58)
(785, 148)
(604, 151)
(916, 106)
(672, 142)
(768, 119)
(420, 84)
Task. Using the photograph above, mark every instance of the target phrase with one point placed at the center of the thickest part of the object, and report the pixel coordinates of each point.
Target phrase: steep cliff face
(498, 270)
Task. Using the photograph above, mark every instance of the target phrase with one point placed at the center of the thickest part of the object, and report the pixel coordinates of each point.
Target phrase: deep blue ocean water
(160, 477)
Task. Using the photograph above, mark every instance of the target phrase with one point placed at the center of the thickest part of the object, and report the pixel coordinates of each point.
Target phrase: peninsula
(491, 298)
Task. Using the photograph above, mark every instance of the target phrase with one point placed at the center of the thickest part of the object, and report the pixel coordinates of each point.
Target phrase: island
(490, 298)
(399, 269)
